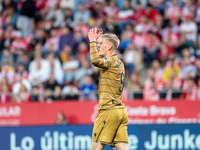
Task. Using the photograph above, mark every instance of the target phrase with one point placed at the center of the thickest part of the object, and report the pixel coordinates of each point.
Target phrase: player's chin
(100, 55)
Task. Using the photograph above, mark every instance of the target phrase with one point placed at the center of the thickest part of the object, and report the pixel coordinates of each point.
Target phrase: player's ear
(109, 46)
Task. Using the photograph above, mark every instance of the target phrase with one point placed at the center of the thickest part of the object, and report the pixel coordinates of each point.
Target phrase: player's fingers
(101, 31)
(95, 30)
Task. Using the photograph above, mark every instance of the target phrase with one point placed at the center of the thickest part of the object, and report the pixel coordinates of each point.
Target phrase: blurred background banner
(139, 112)
(78, 137)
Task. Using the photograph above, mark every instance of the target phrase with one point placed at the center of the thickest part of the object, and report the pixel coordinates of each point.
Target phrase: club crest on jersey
(105, 59)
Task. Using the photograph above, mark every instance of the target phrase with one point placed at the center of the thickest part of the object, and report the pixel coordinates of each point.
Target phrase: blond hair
(113, 39)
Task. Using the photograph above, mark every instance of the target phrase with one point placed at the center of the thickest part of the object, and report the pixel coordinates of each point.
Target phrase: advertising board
(78, 137)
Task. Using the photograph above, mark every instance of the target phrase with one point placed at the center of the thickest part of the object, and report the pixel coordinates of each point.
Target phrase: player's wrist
(93, 40)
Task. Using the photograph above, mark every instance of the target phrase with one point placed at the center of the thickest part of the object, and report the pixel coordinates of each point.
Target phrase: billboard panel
(78, 137)
(139, 112)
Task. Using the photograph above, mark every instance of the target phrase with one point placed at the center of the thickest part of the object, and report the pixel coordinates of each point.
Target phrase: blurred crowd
(44, 49)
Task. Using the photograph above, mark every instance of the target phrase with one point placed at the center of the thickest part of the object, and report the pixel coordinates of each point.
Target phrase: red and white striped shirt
(52, 42)
(19, 44)
(151, 95)
(191, 94)
(177, 82)
(112, 12)
(151, 41)
(124, 15)
(185, 85)
(173, 11)
(25, 76)
(158, 83)
(84, 29)
(173, 38)
(139, 40)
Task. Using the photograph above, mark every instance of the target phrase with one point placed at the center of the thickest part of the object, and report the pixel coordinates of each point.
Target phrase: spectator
(171, 91)
(25, 61)
(134, 85)
(68, 18)
(185, 82)
(131, 59)
(57, 93)
(126, 36)
(38, 37)
(7, 39)
(83, 50)
(138, 12)
(174, 23)
(159, 72)
(48, 95)
(55, 67)
(82, 13)
(10, 16)
(21, 80)
(151, 94)
(64, 55)
(61, 119)
(39, 70)
(4, 81)
(170, 41)
(69, 68)
(182, 45)
(19, 43)
(97, 10)
(70, 92)
(173, 10)
(83, 27)
(57, 15)
(111, 26)
(88, 89)
(5, 97)
(188, 67)
(26, 18)
(21, 70)
(192, 90)
(35, 95)
(152, 47)
(174, 81)
(150, 12)
(159, 5)
(78, 38)
(82, 72)
(7, 71)
(53, 41)
(189, 29)
(125, 15)
(65, 39)
(138, 38)
(38, 48)
(51, 83)
(189, 8)
(7, 56)
(168, 70)
(112, 10)
(22, 95)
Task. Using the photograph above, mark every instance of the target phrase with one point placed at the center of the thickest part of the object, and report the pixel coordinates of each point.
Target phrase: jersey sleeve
(96, 59)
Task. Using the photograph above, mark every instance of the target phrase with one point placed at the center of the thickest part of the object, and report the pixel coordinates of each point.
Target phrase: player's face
(102, 45)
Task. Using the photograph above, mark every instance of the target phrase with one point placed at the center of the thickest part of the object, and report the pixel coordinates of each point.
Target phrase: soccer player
(110, 126)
